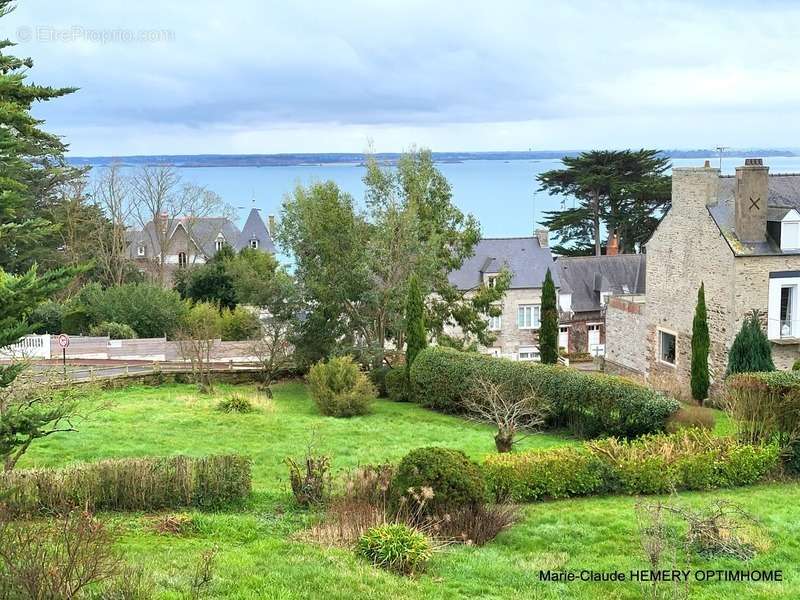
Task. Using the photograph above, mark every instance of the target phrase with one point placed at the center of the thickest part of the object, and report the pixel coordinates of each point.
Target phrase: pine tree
(751, 350)
(416, 340)
(700, 346)
(548, 333)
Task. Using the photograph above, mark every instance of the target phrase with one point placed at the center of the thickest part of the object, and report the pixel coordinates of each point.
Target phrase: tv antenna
(721, 151)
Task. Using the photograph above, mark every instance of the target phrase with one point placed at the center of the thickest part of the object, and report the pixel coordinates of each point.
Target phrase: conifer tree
(548, 332)
(751, 351)
(415, 322)
(700, 347)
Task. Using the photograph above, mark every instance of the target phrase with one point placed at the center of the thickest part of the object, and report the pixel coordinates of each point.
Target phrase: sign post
(63, 342)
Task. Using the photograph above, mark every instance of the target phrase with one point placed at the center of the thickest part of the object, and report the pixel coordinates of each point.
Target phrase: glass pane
(787, 300)
(667, 347)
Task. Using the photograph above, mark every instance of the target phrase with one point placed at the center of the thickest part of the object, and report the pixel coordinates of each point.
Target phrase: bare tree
(196, 338)
(273, 350)
(111, 192)
(510, 411)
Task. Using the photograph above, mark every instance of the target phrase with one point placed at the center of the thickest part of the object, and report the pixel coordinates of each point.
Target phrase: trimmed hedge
(397, 385)
(129, 484)
(653, 464)
(591, 405)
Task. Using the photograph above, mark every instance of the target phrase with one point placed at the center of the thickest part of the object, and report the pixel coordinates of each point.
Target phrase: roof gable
(255, 229)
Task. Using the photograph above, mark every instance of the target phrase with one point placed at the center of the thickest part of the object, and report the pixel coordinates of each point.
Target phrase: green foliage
(589, 404)
(398, 388)
(395, 547)
(116, 331)
(548, 332)
(751, 350)
(211, 282)
(378, 378)
(626, 190)
(796, 365)
(47, 317)
(691, 459)
(150, 310)
(339, 388)
(239, 324)
(235, 403)
(456, 481)
(130, 484)
(700, 347)
(691, 416)
(416, 337)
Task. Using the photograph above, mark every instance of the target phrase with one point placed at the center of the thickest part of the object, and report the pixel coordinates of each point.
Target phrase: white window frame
(778, 282)
(183, 260)
(531, 316)
(528, 354)
(496, 323)
(219, 243)
(491, 279)
(790, 231)
(563, 329)
(254, 244)
(140, 250)
(661, 332)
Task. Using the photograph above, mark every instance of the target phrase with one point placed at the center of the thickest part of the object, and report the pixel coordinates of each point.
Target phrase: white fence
(31, 346)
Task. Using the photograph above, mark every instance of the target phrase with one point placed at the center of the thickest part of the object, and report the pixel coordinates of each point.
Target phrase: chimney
(271, 226)
(612, 249)
(693, 189)
(752, 191)
(543, 235)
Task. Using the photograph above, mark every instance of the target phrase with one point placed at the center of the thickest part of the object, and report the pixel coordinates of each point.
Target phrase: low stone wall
(626, 333)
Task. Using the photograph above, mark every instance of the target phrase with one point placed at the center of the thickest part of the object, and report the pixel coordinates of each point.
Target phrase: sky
(255, 76)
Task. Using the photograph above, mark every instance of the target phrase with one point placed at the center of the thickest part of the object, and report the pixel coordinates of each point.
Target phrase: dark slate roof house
(592, 278)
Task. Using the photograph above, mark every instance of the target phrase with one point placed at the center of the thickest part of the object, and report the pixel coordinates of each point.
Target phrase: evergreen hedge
(590, 405)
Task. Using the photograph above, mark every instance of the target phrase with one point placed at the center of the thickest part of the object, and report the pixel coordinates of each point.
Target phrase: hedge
(129, 484)
(591, 405)
(653, 464)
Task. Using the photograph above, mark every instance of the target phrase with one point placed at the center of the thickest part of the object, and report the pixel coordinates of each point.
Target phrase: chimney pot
(543, 235)
(612, 248)
(271, 226)
(753, 162)
(707, 164)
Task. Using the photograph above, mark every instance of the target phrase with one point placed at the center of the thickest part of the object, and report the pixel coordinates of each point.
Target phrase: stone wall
(626, 330)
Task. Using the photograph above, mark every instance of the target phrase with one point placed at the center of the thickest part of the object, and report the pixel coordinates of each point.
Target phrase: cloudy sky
(255, 76)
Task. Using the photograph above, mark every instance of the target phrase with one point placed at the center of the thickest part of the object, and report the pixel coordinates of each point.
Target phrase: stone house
(194, 240)
(592, 280)
(740, 236)
(527, 258)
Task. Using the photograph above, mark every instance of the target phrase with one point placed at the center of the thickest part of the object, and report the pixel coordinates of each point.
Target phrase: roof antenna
(721, 150)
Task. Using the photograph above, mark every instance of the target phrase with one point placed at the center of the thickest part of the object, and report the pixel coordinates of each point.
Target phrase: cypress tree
(700, 346)
(548, 333)
(415, 322)
(751, 350)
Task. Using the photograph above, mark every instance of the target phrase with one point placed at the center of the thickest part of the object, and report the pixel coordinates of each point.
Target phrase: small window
(219, 243)
(528, 316)
(790, 235)
(495, 323)
(254, 244)
(140, 250)
(666, 347)
(531, 353)
(491, 281)
(181, 259)
(787, 308)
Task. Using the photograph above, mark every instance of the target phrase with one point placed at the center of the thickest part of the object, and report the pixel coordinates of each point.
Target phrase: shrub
(130, 484)
(691, 416)
(589, 404)
(235, 403)
(456, 481)
(378, 378)
(310, 480)
(477, 525)
(47, 317)
(173, 524)
(239, 324)
(339, 388)
(751, 351)
(396, 547)
(700, 346)
(397, 385)
(691, 459)
(116, 331)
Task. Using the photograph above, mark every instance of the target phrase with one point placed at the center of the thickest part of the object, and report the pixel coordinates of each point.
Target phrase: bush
(378, 378)
(397, 385)
(691, 459)
(339, 388)
(47, 317)
(590, 405)
(116, 331)
(310, 481)
(240, 324)
(456, 481)
(691, 416)
(235, 403)
(129, 484)
(396, 547)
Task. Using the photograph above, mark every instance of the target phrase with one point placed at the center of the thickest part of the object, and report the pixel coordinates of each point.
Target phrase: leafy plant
(116, 331)
(235, 403)
(396, 547)
(691, 416)
(339, 388)
(416, 333)
(239, 324)
(310, 479)
(397, 385)
(700, 347)
(751, 350)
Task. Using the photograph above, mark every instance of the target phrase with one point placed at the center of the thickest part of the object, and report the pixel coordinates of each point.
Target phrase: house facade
(740, 236)
(592, 280)
(187, 241)
(527, 259)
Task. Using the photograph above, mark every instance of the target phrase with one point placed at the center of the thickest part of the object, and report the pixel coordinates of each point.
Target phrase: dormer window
(790, 235)
(254, 244)
(219, 243)
(140, 250)
(491, 279)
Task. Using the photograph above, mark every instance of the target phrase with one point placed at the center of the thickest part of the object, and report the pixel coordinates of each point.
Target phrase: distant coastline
(356, 159)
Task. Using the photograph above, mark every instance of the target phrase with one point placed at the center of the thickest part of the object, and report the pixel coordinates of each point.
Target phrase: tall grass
(129, 484)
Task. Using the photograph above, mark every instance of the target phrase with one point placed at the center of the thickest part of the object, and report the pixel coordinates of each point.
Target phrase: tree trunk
(596, 208)
(503, 441)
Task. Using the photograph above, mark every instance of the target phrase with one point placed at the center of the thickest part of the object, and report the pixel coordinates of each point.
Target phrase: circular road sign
(63, 340)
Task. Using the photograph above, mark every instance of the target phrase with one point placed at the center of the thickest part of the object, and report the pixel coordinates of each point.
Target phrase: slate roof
(588, 276)
(784, 194)
(523, 256)
(205, 231)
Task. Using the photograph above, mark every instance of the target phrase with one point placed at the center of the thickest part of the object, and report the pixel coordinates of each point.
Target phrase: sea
(502, 194)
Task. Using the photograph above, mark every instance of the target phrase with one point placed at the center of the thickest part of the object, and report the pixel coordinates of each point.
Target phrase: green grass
(259, 555)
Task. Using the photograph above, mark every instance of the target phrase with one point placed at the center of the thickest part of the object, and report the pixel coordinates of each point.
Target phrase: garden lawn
(260, 553)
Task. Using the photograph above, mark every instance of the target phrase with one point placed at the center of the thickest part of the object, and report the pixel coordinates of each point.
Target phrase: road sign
(63, 341)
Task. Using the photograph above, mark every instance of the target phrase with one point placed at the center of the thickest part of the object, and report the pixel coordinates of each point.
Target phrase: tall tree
(416, 336)
(548, 331)
(32, 165)
(751, 350)
(627, 191)
(700, 347)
